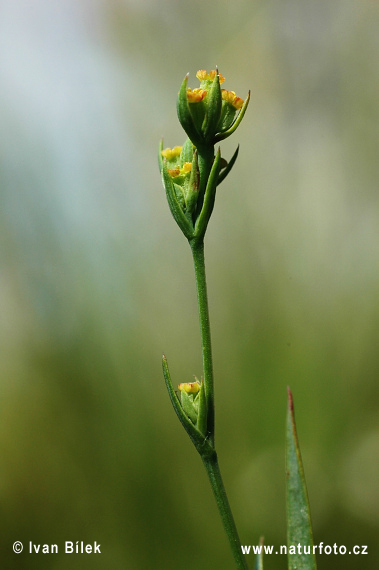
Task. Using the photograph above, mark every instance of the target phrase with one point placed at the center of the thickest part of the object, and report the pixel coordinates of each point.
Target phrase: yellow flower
(202, 75)
(190, 387)
(196, 95)
(171, 153)
(186, 169)
(173, 172)
(231, 98)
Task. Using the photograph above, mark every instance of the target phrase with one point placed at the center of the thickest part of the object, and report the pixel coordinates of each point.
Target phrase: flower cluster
(208, 114)
(191, 173)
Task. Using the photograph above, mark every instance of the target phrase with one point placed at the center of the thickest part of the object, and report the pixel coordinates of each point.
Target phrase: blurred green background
(96, 279)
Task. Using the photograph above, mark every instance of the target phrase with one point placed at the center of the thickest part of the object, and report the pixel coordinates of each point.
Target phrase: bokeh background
(96, 279)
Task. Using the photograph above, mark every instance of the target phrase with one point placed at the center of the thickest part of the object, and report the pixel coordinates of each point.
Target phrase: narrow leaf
(202, 415)
(299, 528)
(184, 114)
(209, 198)
(225, 171)
(259, 558)
(213, 110)
(160, 160)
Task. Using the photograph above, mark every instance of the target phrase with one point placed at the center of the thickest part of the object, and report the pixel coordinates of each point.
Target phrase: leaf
(224, 173)
(299, 528)
(184, 114)
(259, 558)
(213, 110)
(209, 198)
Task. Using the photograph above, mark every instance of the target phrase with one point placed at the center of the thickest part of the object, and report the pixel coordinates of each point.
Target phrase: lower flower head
(186, 169)
(190, 387)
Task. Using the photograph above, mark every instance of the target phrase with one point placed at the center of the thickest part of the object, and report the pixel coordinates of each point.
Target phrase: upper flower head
(202, 75)
(209, 114)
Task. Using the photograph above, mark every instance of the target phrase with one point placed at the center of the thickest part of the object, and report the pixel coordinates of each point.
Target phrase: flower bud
(193, 402)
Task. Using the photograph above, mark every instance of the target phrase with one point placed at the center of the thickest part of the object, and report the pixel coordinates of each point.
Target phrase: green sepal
(224, 173)
(228, 113)
(212, 117)
(202, 410)
(193, 186)
(177, 212)
(299, 527)
(188, 406)
(187, 152)
(224, 134)
(179, 196)
(184, 114)
(209, 198)
(259, 558)
(160, 159)
(198, 112)
(201, 443)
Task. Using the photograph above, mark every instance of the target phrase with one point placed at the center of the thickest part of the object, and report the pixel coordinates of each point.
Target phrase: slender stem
(214, 474)
(202, 297)
(211, 462)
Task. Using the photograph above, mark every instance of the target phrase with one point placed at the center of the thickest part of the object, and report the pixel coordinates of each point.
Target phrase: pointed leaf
(202, 414)
(259, 558)
(209, 198)
(299, 528)
(224, 173)
(214, 101)
(184, 114)
(160, 160)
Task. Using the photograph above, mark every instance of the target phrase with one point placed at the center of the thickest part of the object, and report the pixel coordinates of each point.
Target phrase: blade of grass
(299, 528)
(259, 558)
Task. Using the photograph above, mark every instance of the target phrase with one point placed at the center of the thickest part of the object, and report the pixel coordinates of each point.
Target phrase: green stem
(210, 461)
(214, 474)
(202, 298)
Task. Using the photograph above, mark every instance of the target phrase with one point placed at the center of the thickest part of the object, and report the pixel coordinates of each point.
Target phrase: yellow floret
(196, 95)
(190, 387)
(202, 75)
(171, 153)
(231, 98)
